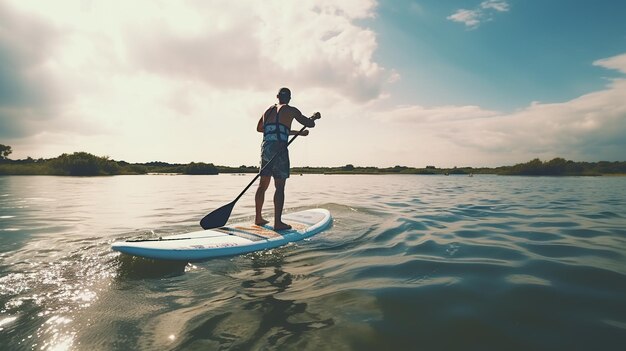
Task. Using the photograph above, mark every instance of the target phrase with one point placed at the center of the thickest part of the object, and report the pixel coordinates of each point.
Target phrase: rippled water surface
(411, 263)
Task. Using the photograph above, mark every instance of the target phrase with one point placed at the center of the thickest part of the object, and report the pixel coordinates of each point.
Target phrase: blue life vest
(275, 131)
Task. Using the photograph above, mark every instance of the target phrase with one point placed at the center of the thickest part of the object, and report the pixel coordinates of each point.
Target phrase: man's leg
(259, 198)
(279, 202)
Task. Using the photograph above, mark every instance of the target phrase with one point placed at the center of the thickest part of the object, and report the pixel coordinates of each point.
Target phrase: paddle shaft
(268, 164)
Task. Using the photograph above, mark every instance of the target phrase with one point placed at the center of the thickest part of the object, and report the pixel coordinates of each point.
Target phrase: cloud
(616, 62)
(589, 127)
(471, 18)
(316, 45)
(224, 44)
(483, 12)
(500, 6)
(112, 77)
(27, 89)
(597, 119)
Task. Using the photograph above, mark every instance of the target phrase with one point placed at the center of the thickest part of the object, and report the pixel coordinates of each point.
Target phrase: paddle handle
(269, 163)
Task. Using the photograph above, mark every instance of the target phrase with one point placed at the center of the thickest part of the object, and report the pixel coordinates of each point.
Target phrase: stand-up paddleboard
(229, 240)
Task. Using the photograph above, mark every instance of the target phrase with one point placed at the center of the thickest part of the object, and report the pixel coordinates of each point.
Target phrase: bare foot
(260, 222)
(281, 226)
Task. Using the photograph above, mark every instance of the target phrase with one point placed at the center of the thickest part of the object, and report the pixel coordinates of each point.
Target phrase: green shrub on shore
(561, 167)
(76, 164)
(200, 168)
(84, 164)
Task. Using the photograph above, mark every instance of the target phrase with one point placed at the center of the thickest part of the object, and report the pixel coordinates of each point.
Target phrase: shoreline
(85, 164)
(294, 174)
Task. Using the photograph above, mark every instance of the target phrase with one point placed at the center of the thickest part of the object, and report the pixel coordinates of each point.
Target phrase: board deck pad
(255, 232)
(229, 240)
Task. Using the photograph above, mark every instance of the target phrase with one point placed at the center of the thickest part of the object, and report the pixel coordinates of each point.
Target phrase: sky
(411, 83)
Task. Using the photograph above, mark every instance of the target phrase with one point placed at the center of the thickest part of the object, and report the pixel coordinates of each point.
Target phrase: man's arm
(306, 121)
(259, 126)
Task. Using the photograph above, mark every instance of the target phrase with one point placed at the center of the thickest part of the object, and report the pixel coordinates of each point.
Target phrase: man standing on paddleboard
(275, 124)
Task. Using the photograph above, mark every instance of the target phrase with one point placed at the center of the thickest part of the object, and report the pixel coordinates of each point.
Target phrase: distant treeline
(86, 164)
(554, 167)
(562, 167)
(351, 169)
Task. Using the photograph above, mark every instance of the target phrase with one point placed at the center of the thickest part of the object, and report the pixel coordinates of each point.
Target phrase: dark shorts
(279, 169)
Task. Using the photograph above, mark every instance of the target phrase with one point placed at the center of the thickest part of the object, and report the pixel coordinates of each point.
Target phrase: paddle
(219, 217)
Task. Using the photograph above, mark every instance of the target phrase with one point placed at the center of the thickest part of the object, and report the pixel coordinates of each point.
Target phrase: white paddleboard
(229, 240)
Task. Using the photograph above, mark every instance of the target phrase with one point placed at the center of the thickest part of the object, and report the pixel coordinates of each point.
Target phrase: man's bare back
(287, 115)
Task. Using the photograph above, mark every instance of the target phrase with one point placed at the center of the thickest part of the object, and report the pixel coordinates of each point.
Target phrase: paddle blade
(217, 218)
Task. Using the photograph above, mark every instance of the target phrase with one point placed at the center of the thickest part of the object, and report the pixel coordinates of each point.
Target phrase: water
(411, 263)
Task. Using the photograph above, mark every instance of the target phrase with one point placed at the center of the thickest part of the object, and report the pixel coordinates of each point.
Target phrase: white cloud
(616, 62)
(500, 6)
(483, 12)
(28, 93)
(133, 79)
(470, 18)
(589, 127)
